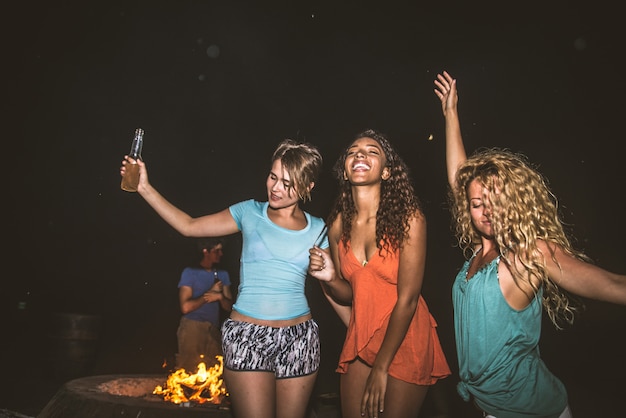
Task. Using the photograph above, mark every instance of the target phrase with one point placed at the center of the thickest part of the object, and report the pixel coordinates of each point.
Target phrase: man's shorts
(291, 351)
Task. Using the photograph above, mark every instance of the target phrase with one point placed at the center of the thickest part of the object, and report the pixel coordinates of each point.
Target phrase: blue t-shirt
(200, 280)
(274, 263)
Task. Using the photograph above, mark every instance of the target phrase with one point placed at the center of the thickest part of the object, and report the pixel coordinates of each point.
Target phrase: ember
(203, 386)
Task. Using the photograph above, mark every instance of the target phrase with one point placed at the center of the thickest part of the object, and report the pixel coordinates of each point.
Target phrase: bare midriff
(276, 323)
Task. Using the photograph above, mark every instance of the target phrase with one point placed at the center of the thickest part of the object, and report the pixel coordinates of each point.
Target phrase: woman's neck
(291, 217)
(366, 200)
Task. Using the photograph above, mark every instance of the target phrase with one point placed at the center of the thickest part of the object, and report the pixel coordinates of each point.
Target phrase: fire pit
(124, 396)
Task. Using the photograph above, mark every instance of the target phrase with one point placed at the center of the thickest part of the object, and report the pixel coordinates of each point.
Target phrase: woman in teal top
(520, 261)
(499, 362)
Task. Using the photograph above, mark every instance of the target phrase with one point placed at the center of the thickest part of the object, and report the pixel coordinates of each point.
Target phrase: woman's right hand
(143, 172)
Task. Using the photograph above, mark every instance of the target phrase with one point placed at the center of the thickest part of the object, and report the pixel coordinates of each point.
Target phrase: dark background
(542, 78)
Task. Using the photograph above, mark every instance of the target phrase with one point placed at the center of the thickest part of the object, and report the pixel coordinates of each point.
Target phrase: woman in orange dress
(373, 277)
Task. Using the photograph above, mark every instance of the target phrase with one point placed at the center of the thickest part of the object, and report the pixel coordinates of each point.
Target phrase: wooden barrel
(74, 340)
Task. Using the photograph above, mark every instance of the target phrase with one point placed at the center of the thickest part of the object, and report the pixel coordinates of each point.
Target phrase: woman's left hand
(373, 402)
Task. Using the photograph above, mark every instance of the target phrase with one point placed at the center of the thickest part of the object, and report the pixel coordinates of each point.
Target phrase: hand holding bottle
(130, 166)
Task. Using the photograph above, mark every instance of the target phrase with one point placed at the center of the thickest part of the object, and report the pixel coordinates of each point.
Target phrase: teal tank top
(498, 350)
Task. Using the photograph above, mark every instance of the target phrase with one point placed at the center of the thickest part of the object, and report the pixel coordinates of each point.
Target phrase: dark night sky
(544, 78)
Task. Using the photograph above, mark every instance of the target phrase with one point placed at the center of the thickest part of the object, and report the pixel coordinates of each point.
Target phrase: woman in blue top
(270, 342)
(519, 260)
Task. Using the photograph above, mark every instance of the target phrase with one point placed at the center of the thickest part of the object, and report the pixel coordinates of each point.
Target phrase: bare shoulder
(416, 235)
(418, 218)
(547, 247)
(553, 255)
(417, 221)
(334, 230)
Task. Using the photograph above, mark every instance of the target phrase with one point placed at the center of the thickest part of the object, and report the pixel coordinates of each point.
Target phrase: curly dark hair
(398, 202)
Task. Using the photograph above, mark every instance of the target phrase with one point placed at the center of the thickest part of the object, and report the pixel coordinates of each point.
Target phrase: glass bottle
(131, 177)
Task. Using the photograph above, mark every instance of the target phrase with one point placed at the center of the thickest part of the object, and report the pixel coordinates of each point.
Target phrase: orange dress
(420, 358)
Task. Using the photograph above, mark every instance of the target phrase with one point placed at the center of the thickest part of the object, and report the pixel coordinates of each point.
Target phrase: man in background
(203, 291)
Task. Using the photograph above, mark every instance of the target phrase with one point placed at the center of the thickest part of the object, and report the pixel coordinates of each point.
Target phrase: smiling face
(480, 208)
(365, 162)
(281, 192)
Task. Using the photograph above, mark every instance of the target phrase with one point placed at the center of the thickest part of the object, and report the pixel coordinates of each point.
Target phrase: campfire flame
(204, 386)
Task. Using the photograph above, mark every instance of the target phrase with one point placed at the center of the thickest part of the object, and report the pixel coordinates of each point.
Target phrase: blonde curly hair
(523, 210)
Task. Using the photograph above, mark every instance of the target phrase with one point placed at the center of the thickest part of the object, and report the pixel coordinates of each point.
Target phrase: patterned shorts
(291, 351)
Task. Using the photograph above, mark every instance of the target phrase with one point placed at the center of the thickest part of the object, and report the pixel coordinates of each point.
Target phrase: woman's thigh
(252, 394)
(402, 399)
(293, 396)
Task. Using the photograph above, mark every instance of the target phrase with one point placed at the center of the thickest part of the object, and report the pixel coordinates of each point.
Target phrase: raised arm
(455, 151)
(217, 224)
